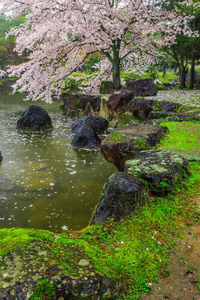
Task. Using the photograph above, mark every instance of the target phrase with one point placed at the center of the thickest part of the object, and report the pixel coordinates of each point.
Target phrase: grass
(134, 250)
(168, 77)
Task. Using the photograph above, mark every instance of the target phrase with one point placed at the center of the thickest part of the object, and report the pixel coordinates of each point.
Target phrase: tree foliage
(7, 54)
(186, 47)
(61, 35)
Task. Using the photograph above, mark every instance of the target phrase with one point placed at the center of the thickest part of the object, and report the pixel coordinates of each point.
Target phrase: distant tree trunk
(192, 71)
(164, 71)
(182, 74)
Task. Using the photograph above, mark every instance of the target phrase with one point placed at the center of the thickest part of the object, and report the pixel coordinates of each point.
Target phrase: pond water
(45, 183)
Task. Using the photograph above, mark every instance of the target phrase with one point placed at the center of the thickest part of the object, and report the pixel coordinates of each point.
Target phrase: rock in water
(122, 194)
(86, 138)
(98, 124)
(35, 118)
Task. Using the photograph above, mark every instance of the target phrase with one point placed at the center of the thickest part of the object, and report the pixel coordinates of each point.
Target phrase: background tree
(185, 50)
(7, 54)
(61, 35)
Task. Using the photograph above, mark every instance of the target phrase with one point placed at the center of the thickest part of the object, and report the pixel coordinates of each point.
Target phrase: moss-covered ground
(132, 251)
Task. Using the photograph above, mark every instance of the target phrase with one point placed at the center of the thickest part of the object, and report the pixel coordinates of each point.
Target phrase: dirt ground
(182, 272)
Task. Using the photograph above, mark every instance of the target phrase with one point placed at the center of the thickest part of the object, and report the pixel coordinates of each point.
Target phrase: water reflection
(44, 182)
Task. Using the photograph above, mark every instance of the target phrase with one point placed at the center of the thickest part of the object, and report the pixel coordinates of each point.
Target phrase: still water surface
(44, 182)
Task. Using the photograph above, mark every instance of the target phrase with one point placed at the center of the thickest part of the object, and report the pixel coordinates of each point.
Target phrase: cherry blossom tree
(61, 34)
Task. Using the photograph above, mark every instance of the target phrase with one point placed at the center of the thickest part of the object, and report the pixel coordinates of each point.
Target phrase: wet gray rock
(173, 82)
(122, 194)
(35, 118)
(86, 138)
(141, 87)
(162, 169)
(98, 124)
(169, 106)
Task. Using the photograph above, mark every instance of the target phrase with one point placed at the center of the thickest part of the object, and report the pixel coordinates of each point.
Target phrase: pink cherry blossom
(61, 34)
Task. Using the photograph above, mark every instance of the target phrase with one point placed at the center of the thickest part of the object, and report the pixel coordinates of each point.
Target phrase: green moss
(117, 136)
(182, 135)
(43, 290)
(132, 251)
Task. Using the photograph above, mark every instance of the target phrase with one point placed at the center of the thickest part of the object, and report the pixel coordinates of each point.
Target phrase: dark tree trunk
(182, 74)
(116, 65)
(116, 75)
(164, 71)
(192, 71)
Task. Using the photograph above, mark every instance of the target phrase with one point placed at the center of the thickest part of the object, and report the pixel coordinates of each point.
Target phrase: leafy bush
(159, 86)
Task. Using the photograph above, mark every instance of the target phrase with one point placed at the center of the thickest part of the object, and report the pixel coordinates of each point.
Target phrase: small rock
(83, 262)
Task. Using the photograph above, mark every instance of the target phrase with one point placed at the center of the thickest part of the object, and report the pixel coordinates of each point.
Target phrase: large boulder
(169, 106)
(122, 194)
(162, 169)
(141, 111)
(123, 143)
(141, 87)
(35, 118)
(120, 101)
(86, 138)
(98, 124)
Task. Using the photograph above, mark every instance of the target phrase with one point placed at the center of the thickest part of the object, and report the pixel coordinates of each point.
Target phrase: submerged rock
(122, 194)
(86, 131)
(162, 169)
(98, 124)
(86, 138)
(35, 118)
(123, 143)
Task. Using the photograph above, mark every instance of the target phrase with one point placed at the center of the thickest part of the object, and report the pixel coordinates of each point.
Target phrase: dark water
(44, 182)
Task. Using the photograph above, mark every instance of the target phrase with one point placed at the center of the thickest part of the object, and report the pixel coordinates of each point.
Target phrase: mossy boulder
(38, 264)
(106, 87)
(162, 169)
(187, 154)
(123, 143)
(122, 194)
(35, 118)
